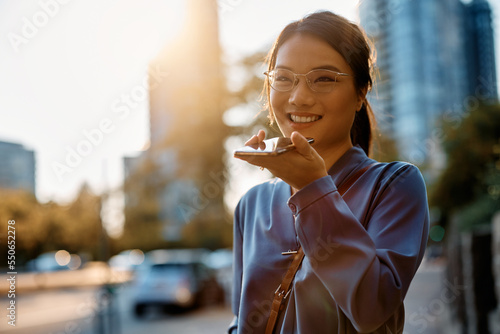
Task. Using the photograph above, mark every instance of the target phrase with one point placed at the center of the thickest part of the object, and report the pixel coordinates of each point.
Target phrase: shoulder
(399, 176)
(260, 192)
(392, 170)
(258, 202)
(400, 169)
(263, 187)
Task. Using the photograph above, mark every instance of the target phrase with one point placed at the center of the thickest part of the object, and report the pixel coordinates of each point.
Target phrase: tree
(469, 184)
(143, 227)
(249, 94)
(23, 208)
(80, 228)
(40, 228)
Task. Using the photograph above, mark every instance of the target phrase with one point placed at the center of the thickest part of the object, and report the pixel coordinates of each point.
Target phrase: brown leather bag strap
(284, 289)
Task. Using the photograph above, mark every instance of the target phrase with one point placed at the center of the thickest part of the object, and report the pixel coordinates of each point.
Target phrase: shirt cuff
(311, 193)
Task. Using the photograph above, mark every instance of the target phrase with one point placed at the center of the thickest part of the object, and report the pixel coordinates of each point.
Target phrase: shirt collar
(353, 159)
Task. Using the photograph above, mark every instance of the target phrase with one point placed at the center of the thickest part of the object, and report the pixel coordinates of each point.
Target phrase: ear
(361, 98)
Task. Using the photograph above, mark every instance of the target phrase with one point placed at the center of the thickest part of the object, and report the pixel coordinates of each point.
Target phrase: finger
(259, 137)
(302, 146)
(252, 141)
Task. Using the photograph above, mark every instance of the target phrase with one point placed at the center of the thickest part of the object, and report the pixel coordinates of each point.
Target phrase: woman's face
(327, 117)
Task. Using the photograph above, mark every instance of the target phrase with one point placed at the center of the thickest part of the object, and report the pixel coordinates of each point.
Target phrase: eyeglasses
(320, 81)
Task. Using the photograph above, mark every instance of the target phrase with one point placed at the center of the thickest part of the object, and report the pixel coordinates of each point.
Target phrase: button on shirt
(361, 250)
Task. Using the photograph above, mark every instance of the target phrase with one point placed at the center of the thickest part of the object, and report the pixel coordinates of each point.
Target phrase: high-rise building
(481, 50)
(17, 167)
(424, 49)
(186, 128)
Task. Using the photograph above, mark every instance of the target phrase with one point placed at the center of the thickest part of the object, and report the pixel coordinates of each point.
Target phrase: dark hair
(348, 40)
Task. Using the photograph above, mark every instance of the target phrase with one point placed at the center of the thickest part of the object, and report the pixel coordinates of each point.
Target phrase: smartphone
(269, 147)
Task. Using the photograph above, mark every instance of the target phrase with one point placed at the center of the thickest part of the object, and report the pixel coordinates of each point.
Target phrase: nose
(301, 94)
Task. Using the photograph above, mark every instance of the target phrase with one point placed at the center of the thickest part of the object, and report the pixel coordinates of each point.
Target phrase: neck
(333, 154)
(330, 155)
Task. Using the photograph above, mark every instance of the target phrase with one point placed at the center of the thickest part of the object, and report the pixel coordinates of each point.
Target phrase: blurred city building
(436, 66)
(481, 50)
(17, 167)
(186, 151)
(435, 60)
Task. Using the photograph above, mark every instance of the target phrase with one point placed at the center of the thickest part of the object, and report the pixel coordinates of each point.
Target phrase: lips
(304, 119)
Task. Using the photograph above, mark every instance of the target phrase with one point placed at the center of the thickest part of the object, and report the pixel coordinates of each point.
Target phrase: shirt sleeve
(370, 263)
(237, 269)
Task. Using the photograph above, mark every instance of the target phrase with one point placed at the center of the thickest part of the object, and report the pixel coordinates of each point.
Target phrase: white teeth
(304, 119)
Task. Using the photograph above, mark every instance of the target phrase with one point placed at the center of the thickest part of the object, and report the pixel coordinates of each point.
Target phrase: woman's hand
(298, 167)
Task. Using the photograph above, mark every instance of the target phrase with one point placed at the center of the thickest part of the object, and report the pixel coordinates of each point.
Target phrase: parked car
(175, 280)
(55, 261)
(127, 260)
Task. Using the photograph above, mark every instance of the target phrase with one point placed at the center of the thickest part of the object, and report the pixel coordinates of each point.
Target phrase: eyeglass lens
(321, 81)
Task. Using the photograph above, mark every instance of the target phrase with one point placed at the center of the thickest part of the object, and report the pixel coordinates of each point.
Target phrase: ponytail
(361, 130)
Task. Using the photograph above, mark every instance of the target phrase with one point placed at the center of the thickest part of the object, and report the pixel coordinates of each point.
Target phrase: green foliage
(481, 211)
(252, 68)
(465, 186)
(208, 233)
(384, 148)
(40, 228)
(143, 227)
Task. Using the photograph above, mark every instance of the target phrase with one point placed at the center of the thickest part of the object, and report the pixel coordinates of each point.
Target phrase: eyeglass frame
(296, 81)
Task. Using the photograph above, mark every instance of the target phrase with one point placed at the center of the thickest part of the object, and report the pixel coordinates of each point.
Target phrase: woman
(363, 247)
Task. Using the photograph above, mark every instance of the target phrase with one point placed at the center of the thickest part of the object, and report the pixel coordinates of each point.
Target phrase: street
(76, 311)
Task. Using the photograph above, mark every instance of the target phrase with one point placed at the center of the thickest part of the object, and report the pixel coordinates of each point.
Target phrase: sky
(66, 63)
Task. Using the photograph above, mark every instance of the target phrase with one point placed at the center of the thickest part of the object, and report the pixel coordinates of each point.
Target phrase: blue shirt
(361, 250)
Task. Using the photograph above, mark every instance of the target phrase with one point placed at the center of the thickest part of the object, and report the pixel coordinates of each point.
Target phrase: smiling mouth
(304, 119)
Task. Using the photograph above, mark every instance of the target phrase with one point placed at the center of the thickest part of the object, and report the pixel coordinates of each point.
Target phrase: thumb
(302, 146)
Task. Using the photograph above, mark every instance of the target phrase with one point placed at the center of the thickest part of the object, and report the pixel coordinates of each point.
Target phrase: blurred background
(117, 125)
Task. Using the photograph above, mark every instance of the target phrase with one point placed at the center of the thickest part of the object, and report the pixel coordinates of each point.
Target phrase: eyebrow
(324, 67)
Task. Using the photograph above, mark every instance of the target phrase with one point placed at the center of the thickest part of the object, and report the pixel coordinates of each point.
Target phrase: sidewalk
(428, 300)
(93, 274)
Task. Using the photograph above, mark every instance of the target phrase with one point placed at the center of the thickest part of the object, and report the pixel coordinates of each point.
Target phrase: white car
(176, 282)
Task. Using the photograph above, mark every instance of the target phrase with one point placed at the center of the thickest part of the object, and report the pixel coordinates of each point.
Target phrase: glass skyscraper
(481, 53)
(17, 167)
(430, 59)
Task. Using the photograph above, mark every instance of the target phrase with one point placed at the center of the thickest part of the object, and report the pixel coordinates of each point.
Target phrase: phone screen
(270, 147)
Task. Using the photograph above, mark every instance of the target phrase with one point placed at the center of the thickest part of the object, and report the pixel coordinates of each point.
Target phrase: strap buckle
(282, 293)
(289, 252)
